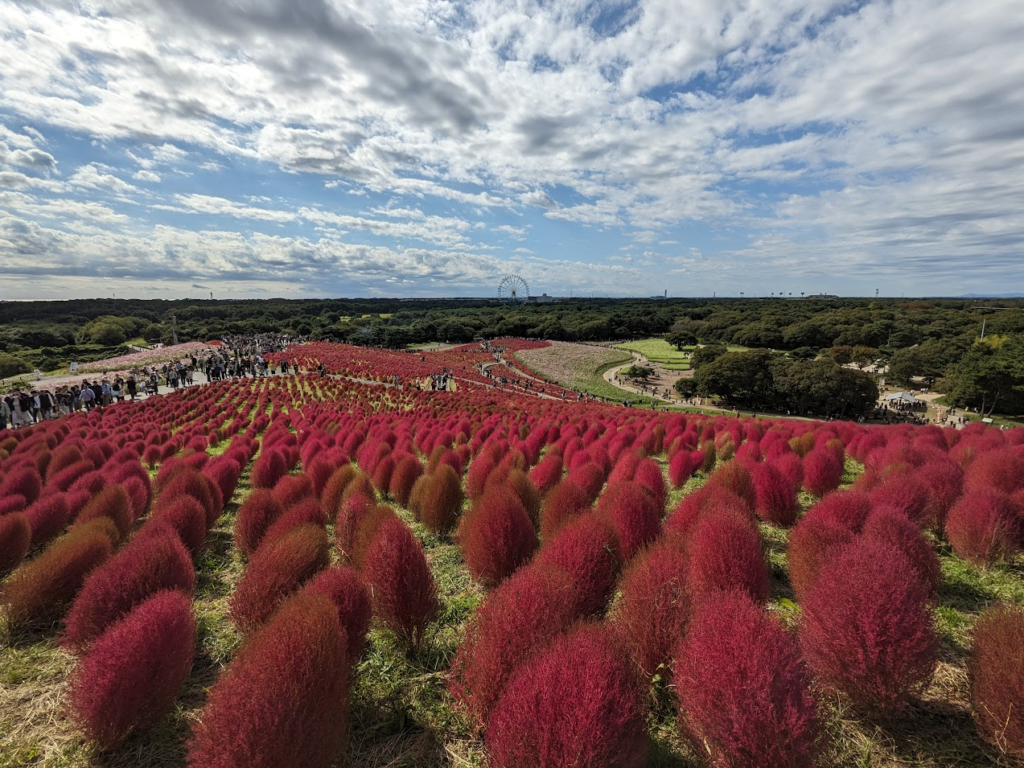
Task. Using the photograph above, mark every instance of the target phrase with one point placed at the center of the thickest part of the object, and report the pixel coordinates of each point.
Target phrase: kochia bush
(726, 552)
(588, 550)
(131, 676)
(440, 500)
(654, 605)
(283, 700)
(997, 678)
(983, 526)
(867, 626)
(275, 571)
(40, 590)
(577, 703)
(402, 587)
(349, 593)
(539, 604)
(47, 518)
(15, 539)
(563, 503)
(633, 514)
(823, 471)
(259, 510)
(744, 696)
(496, 535)
(814, 542)
(140, 570)
(113, 502)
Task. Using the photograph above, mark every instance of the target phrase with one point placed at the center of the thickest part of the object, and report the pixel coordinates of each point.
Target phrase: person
(5, 412)
(88, 396)
(133, 387)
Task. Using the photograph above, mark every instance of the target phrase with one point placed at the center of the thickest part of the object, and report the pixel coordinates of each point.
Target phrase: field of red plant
(307, 571)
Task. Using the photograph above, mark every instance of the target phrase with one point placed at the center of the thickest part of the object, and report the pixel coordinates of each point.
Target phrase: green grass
(657, 351)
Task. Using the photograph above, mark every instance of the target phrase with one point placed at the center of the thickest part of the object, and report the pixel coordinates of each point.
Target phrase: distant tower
(876, 293)
(174, 329)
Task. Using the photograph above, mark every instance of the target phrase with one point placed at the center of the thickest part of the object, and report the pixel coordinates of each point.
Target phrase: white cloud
(147, 176)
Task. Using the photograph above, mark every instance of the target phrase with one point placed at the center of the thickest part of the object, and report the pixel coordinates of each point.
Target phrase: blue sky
(429, 147)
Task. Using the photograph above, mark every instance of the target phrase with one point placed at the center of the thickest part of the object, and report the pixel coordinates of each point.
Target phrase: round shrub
(814, 542)
(132, 674)
(349, 593)
(744, 696)
(587, 549)
(496, 536)
(113, 502)
(890, 526)
(15, 539)
(983, 527)
(283, 700)
(140, 570)
(823, 471)
(402, 587)
(867, 627)
(275, 571)
(187, 518)
(726, 552)
(654, 606)
(774, 495)
(563, 503)
(47, 518)
(577, 703)
(259, 510)
(997, 678)
(440, 500)
(633, 514)
(270, 467)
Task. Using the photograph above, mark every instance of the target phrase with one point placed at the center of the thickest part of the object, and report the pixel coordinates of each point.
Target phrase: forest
(938, 342)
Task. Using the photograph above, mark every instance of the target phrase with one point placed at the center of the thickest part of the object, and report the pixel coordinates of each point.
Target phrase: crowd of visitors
(239, 356)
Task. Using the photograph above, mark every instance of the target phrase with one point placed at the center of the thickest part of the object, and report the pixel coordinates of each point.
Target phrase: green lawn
(661, 352)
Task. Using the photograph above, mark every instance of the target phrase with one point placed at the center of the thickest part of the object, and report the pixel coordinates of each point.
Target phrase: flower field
(149, 357)
(580, 367)
(307, 571)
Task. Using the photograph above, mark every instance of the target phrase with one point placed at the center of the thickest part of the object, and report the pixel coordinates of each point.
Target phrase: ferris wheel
(513, 290)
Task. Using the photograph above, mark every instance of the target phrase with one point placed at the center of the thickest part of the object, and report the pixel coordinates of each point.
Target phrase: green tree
(824, 387)
(742, 378)
(681, 339)
(12, 366)
(842, 355)
(686, 388)
(106, 333)
(706, 354)
(989, 376)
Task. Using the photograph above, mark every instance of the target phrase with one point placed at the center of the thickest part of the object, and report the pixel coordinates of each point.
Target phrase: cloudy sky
(429, 147)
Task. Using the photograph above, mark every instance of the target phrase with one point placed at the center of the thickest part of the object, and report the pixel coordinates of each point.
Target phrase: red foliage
(270, 467)
(684, 518)
(577, 703)
(1001, 470)
(682, 466)
(816, 540)
(519, 483)
(259, 510)
(847, 509)
(349, 593)
(537, 606)
(735, 476)
(191, 482)
(187, 518)
(823, 471)
(405, 474)
(140, 570)
(562, 504)
(547, 473)
(890, 526)
(496, 535)
(283, 700)
(368, 523)
(774, 495)
(867, 626)
(649, 475)
(307, 510)
(588, 550)
(291, 489)
(112, 502)
(224, 472)
(15, 539)
(131, 677)
(39, 591)
(23, 482)
(440, 500)
(10, 504)
(590, 477)
(744, 697)
(997, 678)
(47, 518)
(275, 571)
(906, 494)
(983, 526)
(654, 606)
(633, 513)
(402, 587)
(726, 552)
(330, 497)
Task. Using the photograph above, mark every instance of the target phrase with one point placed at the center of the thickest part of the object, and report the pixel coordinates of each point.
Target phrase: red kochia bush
(726, 552)
(814, 542)
(823, 471)
(291, 489)
(187, 518)
(259, 510)
(847, 509)
(547, 473)
(577, 703)
(774, 495)
(405, 474)
(682, 466)
(744, 699)
(983, 526)
(588, 550)
(349, 593)
(496, 535)
(275, 571)
(440, 500)
(112, 502)
(997, 678)
(270, 467)
(140, 570)
(283, 700)
(40, 590)
(563, 503)
(306, 511)
(15, 539)
(132, 674)
(47, 518)
(633, 514)
(539, 605)
(867, 626)
(22, 482)
(654, 605)
(402, 587)
(891, 526)
(10, 504)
